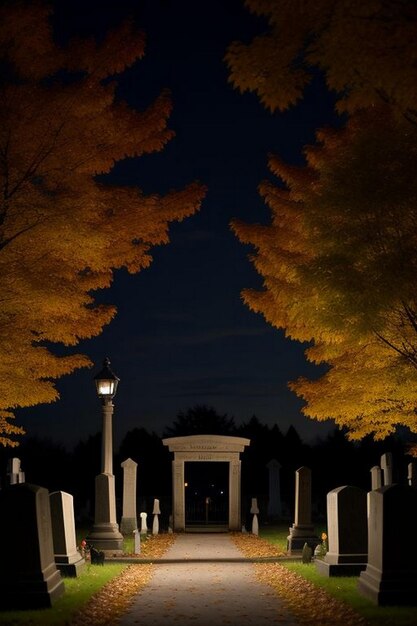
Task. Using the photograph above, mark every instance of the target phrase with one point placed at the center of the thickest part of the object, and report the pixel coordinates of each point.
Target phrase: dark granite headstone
(390, 577)
(347, 533)
(28, 575)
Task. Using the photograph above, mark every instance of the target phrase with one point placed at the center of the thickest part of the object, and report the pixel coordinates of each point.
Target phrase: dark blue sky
(182, 335)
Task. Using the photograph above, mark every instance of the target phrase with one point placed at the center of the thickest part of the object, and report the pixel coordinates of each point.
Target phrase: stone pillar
(107, 438)
(234, 495)
(67, 558)
(386, 466)
(29, 578)
(390, 577)
(412, 474)
(105, 535)
(347, 533)
(302, 531)
(376, 477)
(14, 472)
(129, 520)
(179, 496)
(274, 502)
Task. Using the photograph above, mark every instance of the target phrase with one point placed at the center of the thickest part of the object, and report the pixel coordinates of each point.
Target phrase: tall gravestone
(347, 529)
(255, 512)
(386, 466)
(156, 512)
(129, 521)
(14, 472)
(390, 577)
(302, 531)
(274, 501)
(28, 574)
(67, 558)
(412, 474)
(376, 477)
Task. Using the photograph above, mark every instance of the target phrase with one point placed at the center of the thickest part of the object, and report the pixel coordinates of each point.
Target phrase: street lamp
(105, 534)
(106, 382)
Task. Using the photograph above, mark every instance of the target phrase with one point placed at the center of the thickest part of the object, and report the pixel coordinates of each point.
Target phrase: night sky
(182, 335)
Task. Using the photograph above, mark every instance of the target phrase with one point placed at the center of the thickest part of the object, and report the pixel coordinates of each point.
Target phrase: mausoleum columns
(178, 494)
(234, 494)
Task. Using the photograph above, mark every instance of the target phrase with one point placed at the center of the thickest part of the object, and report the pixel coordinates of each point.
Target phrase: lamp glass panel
(105, 387)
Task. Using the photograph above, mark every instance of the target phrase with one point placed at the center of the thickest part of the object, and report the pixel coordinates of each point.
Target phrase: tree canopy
(63, 229)
(365, 49)
(338, 258)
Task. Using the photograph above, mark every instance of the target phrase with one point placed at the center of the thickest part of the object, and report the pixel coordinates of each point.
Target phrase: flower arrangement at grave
(322, 548)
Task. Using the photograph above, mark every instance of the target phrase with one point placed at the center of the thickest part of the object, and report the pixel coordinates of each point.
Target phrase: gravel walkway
(212, 592)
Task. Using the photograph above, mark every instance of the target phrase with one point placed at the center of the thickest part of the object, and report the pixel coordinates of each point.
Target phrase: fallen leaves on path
(114, 598)
(253, 546)
(310, 604)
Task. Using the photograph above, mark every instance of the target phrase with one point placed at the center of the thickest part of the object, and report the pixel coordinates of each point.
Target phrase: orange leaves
(365, 49)
(63, 232)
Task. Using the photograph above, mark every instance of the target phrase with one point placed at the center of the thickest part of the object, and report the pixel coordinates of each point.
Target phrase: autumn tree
(338, 262)
(338, 259)
(63, 230)
(365, 49)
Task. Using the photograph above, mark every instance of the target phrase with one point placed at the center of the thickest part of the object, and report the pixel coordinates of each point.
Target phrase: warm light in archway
(185, 484)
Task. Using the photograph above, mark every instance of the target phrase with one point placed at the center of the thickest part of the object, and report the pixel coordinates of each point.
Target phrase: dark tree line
(334, 461)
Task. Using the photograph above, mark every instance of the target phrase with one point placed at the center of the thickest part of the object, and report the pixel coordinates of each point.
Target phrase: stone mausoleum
(203, 448)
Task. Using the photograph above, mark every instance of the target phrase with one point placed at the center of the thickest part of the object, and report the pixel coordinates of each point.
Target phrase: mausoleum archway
(206, 448)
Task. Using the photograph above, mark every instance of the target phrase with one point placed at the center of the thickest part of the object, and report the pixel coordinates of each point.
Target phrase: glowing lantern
(106, 382)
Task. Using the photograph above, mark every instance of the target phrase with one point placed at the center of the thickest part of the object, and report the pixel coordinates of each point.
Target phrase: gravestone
(412, 474)
(156, 511)
(376, 477)
(143, 525)
(302, 531)
(386, 466)
(67, 558)
(390, 577)
(347, 533)
(129, 520)
(255, 511)
(14, 472)
(28, 574)
(136, 541)
(306, 554)
(274, 501)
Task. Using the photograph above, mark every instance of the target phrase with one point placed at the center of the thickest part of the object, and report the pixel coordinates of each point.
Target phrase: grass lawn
(342, 588)
(77, 592)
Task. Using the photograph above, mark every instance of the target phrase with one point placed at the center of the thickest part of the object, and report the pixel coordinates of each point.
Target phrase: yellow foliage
(365, 48)
(62, 232)
(339, 262)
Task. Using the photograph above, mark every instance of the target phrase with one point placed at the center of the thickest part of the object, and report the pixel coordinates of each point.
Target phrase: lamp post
(105, 534)
(106, 384)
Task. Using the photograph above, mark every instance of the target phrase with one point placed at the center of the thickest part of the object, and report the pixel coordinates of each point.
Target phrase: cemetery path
(208, 592)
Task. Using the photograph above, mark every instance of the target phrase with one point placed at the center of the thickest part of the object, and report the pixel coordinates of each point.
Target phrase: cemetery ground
(102, 593)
